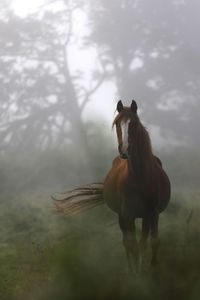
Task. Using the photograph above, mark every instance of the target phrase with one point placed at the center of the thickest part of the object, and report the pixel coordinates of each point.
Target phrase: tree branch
(88, 94)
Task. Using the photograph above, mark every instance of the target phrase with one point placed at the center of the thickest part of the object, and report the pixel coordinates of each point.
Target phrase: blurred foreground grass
(45, 256)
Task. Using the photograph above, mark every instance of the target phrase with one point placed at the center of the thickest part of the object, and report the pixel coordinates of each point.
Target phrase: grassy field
(48, 256)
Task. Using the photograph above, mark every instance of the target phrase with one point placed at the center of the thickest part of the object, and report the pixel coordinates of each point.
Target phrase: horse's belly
(123, 200)
(165, 193)
(131, 204)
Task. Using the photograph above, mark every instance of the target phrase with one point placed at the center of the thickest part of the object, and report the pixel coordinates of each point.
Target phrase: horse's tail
(80, 199)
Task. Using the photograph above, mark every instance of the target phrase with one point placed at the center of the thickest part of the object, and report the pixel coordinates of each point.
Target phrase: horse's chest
(134, 202)
(124, 197)
(124, 191)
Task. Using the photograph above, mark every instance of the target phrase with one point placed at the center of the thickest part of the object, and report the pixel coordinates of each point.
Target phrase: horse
(137, 185)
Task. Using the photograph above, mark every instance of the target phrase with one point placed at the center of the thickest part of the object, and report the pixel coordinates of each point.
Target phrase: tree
(152, 49)
(40, 104)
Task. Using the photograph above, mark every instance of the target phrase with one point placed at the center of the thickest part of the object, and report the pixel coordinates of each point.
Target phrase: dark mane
(142, 140)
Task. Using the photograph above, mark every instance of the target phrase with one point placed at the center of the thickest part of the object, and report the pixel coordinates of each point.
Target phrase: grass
(47, 256)
(43, 256)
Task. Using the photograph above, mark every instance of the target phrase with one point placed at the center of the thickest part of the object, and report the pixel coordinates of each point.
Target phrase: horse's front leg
(127, 226)
(146, 222)
(155, 242)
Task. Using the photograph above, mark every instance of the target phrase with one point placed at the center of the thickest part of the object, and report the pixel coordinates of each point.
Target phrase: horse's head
(125, 122)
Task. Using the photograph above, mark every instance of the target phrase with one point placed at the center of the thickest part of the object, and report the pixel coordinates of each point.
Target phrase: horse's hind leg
(127, 226)
(154, 238)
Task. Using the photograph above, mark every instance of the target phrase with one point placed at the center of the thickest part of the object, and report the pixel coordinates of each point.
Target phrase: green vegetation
(48, 256)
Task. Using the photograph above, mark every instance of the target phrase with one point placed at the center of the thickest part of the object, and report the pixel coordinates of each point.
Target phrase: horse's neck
(141, 162)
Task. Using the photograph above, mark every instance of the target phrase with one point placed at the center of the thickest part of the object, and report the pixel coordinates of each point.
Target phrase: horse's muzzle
(123, 156)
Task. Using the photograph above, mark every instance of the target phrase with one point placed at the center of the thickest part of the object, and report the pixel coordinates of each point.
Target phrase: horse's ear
(120, 106)
(134, 106)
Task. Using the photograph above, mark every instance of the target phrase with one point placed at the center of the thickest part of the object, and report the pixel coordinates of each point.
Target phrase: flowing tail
(89, 196)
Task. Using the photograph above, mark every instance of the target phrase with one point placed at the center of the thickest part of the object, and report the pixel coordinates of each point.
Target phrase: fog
(66, 62)
(63, 67)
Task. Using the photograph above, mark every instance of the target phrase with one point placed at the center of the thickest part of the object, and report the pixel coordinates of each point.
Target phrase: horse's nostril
(123, 156)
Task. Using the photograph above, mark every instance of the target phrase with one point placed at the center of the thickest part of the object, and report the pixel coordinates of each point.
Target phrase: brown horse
(136, 186)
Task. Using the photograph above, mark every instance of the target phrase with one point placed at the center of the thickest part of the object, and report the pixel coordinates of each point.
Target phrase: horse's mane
(142, 140)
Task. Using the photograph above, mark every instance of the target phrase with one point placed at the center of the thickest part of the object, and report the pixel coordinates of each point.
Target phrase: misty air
(99, 149)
